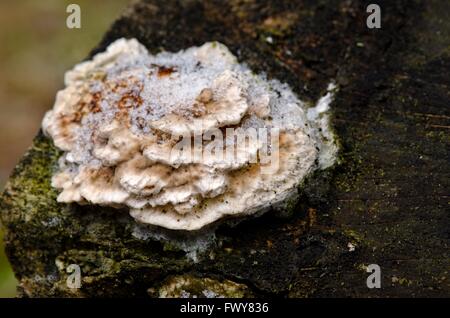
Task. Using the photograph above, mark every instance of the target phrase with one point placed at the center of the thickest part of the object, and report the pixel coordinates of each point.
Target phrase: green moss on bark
(387, 197)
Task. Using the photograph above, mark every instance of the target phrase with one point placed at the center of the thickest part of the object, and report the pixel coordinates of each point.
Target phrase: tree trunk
(385, 204)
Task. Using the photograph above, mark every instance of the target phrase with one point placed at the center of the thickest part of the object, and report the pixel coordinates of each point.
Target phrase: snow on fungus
(123, 114)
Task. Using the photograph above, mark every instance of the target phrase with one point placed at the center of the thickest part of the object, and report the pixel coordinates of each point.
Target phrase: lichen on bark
(387, 198)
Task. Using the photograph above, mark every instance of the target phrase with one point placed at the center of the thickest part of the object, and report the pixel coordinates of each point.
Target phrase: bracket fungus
(183, 139)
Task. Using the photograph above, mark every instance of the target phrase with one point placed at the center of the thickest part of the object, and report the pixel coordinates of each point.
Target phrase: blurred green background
(36, 49)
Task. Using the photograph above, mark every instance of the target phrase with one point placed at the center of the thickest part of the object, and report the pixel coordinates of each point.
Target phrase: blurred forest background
(36, 49)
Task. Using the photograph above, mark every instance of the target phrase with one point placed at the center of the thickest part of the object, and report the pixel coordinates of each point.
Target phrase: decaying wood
(388, 198)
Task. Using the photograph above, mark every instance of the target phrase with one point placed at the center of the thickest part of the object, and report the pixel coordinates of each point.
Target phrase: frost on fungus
(183, 139)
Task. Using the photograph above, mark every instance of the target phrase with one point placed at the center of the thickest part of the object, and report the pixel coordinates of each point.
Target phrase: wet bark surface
(386, 203)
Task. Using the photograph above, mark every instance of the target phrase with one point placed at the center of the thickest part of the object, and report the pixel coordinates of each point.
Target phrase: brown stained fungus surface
(126, 121)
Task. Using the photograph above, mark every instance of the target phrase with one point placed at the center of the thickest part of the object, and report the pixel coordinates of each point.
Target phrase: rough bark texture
(389, 196)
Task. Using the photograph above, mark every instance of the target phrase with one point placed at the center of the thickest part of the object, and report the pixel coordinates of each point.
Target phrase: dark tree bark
(388, 198)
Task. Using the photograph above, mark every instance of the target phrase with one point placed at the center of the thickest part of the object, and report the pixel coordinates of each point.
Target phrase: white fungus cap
(122, 116)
